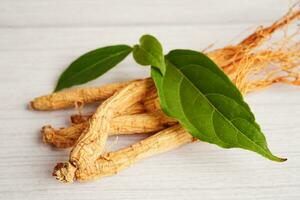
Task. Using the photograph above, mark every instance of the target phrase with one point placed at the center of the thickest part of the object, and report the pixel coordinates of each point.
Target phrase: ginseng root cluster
(133, 107)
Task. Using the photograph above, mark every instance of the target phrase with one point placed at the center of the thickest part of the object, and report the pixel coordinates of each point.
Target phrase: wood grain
(38, 39)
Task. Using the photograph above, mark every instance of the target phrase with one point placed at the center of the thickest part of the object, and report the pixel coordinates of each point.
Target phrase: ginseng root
(113, 162)
(72, 97)
(256, 62)
(134, 109)
(67, 137)
(91, 143)
(126, 124)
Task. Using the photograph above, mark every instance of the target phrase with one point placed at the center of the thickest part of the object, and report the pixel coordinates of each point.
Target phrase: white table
(39, 38)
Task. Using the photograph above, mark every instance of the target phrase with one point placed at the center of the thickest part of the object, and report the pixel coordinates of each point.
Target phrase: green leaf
(201, 97)
(149, 52)
(92, 65)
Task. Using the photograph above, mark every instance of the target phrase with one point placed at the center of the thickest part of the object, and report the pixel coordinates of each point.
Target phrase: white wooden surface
(39, 38)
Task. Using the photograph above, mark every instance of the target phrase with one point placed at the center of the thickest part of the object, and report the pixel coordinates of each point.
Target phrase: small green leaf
(149, 52)
(92, 65)
(201, 97)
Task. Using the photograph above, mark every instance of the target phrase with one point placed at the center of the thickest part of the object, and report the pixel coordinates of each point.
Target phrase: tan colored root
(126, 124)
(113, 162)
(258, 37)
(72, 97)
(227, 56)
(67, 137)
(257, 73)
(134, 109)
(77, 97)
(141, 123)
(252, 64)
(151, 102)
(64, 172)
(91, 143)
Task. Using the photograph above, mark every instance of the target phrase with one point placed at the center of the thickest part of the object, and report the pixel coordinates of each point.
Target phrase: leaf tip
(282, 159)
(278, 159)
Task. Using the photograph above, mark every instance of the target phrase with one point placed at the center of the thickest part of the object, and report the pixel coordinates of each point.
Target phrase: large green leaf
(92, 65)
(200, 96)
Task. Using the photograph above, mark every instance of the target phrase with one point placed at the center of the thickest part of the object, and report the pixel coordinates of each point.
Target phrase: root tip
(64, 172)
(31, 105)
(47, 133)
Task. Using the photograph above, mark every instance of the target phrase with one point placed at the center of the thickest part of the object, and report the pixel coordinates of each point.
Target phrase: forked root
(91, 142)
(113, 162)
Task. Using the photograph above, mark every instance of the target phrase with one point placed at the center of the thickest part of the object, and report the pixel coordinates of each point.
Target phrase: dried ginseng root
(125, 124)
(152, 121)
(78, 96)
(113, 162)
(258, 62)
(90, 144)
(134, 109)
